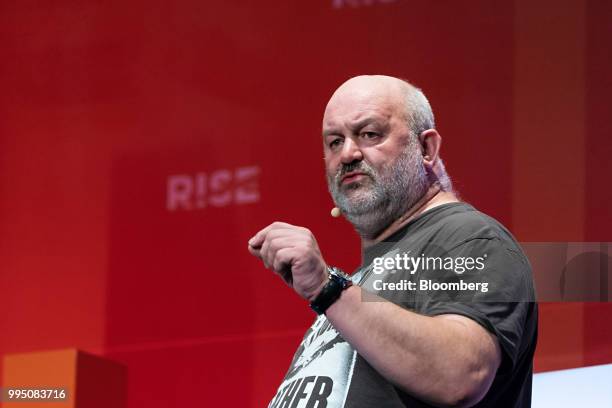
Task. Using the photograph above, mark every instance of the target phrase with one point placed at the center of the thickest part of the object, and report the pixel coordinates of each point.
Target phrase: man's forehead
(358, 99)
(356, 116)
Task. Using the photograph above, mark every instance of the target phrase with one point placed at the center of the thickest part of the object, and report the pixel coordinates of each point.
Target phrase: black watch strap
(338, 281)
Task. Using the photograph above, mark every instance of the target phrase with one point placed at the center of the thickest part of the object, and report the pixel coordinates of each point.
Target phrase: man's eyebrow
(364, 122)
(332, 130)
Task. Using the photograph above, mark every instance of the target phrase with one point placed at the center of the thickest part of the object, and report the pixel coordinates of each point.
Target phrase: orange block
(88, 381)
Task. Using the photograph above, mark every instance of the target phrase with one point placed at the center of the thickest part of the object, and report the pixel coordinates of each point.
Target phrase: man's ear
(430, 141)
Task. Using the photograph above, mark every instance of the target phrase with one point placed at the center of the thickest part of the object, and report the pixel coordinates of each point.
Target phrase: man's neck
(431, 199)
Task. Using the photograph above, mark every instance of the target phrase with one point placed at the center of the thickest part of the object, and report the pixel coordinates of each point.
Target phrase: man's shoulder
(457, 228)
(453, 229)
(462, 222)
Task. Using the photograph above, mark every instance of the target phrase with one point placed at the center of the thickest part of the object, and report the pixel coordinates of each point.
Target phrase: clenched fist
(293, 253)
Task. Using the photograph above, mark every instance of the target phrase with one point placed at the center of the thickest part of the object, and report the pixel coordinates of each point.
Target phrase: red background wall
(102, 102)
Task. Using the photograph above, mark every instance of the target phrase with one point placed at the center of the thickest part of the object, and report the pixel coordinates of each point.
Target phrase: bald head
(398, 96)
(384, 111)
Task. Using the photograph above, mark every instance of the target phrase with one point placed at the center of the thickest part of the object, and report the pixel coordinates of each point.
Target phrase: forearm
(434, 359)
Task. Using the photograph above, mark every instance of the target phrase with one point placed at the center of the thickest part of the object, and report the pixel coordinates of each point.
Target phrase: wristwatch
(338, 281)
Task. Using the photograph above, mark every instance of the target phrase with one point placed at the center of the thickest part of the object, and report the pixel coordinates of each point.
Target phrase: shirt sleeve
(496, 296)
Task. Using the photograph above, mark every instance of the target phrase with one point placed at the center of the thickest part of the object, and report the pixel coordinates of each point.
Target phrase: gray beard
(373, 203)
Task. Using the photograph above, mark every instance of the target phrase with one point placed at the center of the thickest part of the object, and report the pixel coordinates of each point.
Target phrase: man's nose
(350, 152)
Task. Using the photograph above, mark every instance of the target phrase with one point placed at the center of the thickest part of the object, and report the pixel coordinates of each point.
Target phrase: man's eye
(369, 135)
(335, 142)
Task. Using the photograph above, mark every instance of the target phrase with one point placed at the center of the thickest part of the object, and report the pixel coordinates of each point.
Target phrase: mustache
(359, 166)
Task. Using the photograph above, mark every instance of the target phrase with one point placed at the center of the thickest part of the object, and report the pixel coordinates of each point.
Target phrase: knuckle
(272, 243)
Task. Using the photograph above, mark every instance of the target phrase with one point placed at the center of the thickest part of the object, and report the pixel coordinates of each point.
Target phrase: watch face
(337, 272)
(339, 276)
(338, 281)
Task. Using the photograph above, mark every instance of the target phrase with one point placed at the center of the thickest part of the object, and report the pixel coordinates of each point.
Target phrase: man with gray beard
(408, 348)
(394, 190)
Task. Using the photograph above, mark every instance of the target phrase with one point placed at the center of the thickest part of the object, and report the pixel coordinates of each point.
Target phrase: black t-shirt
(450, 259)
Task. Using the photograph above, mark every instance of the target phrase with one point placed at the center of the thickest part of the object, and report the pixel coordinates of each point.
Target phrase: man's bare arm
(447, 360)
